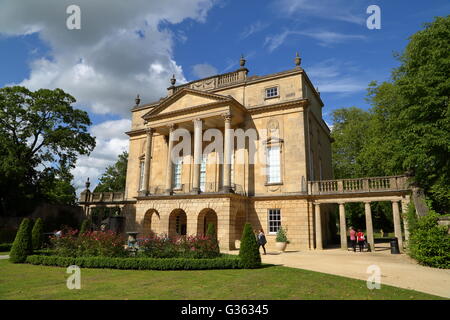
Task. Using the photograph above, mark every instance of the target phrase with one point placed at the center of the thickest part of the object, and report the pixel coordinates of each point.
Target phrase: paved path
(4, 257)
(398, 270)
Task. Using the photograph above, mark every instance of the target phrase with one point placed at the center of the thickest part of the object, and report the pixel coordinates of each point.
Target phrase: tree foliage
(41, 136)
(114, 177)
(408, 127)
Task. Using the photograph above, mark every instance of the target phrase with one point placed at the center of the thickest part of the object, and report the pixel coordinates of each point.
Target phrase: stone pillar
(405, 203)
(369, 226)
(227, 154)
(169, 160)
(148, 152)
(343, 226)
(197, 154)
(319, 242)
(397, 224)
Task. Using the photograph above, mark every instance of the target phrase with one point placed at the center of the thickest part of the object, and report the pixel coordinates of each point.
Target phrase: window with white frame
(203, 173)
(177, 168)
(274, 220)
(273, 164)
(141, 175)
(272, 92)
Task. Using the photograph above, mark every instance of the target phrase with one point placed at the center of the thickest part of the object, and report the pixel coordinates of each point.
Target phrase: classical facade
(234, 148)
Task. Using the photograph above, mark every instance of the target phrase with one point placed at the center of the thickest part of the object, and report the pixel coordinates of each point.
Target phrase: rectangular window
(273, 164)
(203, 173)
(272, 92)
(141, 175)
(178, 165)
(274, 220)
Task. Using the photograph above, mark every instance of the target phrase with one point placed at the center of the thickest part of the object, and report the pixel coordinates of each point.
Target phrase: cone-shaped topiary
(211, 231)
(249, 250)
(37, 234)
(22, 246)
(85, 226)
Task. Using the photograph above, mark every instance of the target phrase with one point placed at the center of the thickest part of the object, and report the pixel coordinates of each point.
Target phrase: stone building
(272, 147)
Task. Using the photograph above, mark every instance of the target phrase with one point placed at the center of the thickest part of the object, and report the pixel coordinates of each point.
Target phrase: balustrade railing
(373, 184)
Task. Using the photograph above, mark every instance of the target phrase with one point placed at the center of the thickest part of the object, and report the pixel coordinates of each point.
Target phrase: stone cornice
(279, 106)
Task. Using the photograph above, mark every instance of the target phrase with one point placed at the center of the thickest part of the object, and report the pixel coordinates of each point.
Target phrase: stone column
(148, 152)
(169, 160)
(397, 224)
(319, 242)
(369, 226)
(198, 123)
(405, 203)
(343, 226)
(227, 154)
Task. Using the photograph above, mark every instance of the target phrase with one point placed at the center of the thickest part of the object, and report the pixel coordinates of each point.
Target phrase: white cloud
(111, 141)
(325, 38)
(253, 28)
(338, 77)
(351, 11)
(204, 70)
(121, 49)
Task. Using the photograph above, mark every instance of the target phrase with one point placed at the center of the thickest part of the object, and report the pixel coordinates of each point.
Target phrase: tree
(22, 245)
(114, 177)
(41, 136)
(37, 234)
(85, 226)
(249, 249)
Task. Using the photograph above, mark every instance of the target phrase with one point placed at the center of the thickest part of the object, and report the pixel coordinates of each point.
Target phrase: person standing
(262, 240)
(361, 239)
(353, 238)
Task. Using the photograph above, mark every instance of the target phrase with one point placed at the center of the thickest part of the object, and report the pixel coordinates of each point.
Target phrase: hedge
(136, 263)
(22, 246)
(5, 247)
(249, 249)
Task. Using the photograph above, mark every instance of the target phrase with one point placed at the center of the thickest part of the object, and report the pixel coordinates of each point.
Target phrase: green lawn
(4, 253)
(24, 281)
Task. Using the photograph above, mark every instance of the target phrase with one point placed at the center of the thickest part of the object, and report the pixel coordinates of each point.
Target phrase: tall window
(273, 164)
(178, 165)
(274, 220)
(203, 173)
(232, 167)
(141, 175)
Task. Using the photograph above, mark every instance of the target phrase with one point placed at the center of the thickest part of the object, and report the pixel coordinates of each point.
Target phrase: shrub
(22, 245)
(211, 231)
(429, 243)
(37, 234)
(85, 226)
(95, 243)
(249, 250)
(180, 247)
(137, 263)
(281, 235)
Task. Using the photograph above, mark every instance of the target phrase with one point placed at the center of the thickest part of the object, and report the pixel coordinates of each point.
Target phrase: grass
(4, 253)
(24, 281)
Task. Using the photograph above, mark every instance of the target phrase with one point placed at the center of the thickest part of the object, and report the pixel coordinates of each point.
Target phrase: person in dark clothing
(262, 240)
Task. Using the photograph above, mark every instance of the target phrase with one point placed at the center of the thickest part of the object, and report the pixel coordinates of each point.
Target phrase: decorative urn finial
(173, 80)
(137, 100)
(87, 184)
(297, 60)
(242, 61)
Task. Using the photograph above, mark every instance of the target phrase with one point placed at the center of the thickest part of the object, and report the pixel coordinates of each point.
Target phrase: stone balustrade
(100, 197)
(358, 185)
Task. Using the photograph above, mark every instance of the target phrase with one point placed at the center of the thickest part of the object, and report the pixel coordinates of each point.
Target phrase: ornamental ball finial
(137, 100)
(87, 184)
(242, 61)
(173, 80)
(297, 60)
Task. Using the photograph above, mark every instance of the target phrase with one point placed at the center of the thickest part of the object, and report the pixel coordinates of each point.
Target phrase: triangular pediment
(185, 99)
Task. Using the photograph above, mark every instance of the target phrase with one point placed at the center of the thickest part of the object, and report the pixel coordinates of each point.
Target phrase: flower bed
(222, 262)
(197, 247)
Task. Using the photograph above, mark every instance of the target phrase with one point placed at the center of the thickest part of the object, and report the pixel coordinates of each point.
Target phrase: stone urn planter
(281, 246)
(281, 240)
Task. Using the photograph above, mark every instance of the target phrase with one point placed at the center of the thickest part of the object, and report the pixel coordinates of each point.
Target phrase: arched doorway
(205, 217)
(177, 223)
(150, 224)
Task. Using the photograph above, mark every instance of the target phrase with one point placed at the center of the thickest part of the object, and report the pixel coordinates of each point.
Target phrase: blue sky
(122, 50)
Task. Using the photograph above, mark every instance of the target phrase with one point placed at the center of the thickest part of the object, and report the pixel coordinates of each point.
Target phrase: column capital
(171, 126)
(227, 117)
(367, 202)
(196, 120)
(341, 203)
(149, 131)
(395, 201)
